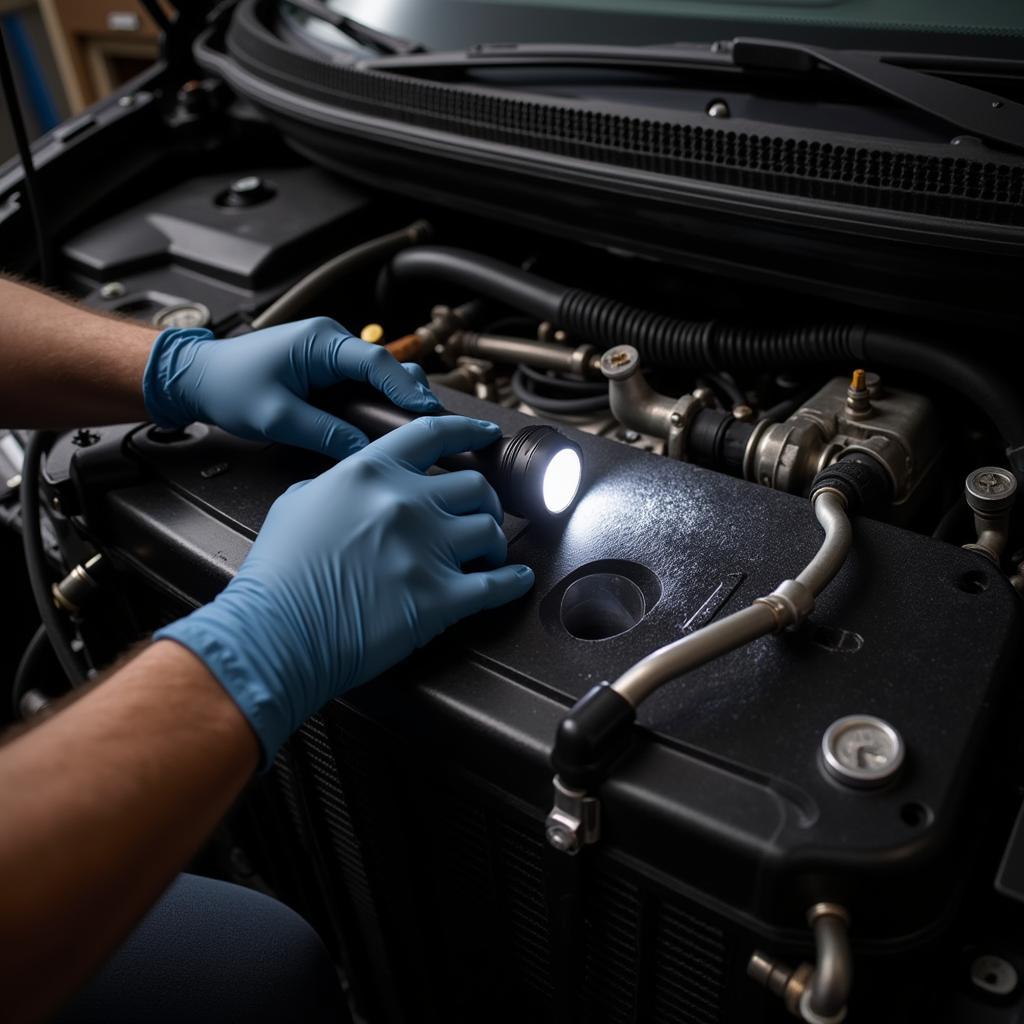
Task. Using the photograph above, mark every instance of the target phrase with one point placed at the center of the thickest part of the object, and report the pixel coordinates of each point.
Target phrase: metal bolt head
(112, 290)
(990, 490)
(562, 839)
(620, 362)
(862, 750)
(676, 419)
(743, 413)
(718, 108)
(630, 436)
(126, 101)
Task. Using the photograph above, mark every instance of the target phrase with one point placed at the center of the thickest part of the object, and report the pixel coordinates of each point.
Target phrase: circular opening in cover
(601, 606)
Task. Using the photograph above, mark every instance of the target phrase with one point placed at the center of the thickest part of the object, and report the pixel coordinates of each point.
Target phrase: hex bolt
(562, 839)
(862, 750)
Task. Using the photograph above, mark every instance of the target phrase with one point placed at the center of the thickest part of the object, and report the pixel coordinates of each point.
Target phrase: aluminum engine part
(898, 428)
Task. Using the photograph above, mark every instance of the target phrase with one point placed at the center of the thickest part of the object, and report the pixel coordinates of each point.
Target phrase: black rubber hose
(35, 556)
(480, 275)
(27, 667)
(528, 395)
(707, 345)
(369, 254)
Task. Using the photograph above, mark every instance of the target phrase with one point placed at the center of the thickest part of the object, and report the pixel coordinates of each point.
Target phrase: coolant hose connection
(597, 731)
(818, 994)
(708, 345)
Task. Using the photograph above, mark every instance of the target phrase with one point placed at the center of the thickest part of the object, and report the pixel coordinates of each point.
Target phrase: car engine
(748, 751)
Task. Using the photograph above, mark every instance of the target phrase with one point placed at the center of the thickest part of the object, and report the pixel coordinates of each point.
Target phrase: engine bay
(829, 795)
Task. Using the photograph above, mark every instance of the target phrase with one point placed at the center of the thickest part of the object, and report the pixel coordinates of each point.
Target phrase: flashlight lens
(562, 480)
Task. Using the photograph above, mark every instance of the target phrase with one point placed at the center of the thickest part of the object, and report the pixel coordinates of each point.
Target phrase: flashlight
(536, 472)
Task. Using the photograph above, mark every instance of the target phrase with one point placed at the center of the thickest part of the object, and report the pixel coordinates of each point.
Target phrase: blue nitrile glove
(256, 385)
(351, 572)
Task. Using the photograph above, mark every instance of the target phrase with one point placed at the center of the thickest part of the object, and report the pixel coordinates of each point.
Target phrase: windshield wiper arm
(969, 110)
(357, 31)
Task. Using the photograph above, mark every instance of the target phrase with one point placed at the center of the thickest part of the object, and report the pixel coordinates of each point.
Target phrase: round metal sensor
(861, 750)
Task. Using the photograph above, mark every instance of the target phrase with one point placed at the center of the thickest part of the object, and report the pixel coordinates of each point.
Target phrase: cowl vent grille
(895, 179)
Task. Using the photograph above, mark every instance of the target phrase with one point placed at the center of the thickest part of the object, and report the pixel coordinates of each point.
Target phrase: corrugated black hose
(708, 345)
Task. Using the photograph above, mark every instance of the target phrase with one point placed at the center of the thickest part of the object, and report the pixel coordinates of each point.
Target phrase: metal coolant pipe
(788, 605)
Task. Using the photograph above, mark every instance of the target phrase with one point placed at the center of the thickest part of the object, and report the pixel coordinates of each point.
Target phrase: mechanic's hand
(351, 572)
(256, 385)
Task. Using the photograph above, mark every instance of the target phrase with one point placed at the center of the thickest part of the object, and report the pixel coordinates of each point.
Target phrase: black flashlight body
(514, 466)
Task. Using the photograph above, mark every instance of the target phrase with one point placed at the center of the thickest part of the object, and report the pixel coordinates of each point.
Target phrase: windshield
(976, 27)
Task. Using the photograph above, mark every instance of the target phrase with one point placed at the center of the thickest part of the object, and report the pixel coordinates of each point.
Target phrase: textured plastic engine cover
(732, 799)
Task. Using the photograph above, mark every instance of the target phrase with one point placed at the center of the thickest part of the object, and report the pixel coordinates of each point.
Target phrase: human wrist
(171, 354)
(249, 661)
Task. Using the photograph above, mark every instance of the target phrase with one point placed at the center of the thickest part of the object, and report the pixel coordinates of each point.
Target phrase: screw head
(862, 750)
(718, 108)
(562, 839)
(676, 419)
(990, 489)
(126, 101)
(112, 290)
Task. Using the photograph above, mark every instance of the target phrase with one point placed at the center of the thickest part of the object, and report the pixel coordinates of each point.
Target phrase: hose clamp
(574, 821)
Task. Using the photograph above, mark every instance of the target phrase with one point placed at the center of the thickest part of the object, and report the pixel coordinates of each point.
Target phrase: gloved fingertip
(525, 573)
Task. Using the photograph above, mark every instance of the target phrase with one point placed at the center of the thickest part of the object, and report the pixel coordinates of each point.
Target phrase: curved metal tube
(788, 606)
(830, 984)
(636, 684)
(830, 509)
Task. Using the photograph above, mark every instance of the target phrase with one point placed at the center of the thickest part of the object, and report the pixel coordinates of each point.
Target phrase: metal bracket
(574, 821)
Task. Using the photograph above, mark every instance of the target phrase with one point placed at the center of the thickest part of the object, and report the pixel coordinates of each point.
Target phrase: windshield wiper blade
(357, 31)
(672, 56)
(969, 110)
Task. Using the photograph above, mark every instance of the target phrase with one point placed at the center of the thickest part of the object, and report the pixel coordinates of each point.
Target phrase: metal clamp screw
(574, 821)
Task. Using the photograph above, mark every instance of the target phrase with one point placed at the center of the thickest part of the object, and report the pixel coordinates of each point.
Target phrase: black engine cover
(722, 813)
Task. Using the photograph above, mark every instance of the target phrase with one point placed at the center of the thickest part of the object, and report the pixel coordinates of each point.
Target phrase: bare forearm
(100, 807)
(62, 365)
